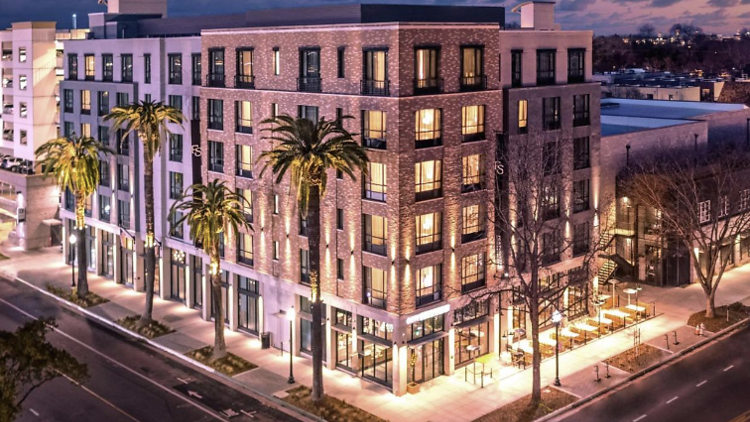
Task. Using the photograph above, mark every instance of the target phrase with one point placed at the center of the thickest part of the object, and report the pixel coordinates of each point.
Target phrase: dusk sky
(603, 16)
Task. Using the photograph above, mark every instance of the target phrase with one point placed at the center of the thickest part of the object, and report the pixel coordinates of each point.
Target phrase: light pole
(290, 316)
(556, 318)
(72, 240)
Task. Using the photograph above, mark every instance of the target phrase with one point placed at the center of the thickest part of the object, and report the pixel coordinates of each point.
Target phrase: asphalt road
(710, 385)
(128, 381)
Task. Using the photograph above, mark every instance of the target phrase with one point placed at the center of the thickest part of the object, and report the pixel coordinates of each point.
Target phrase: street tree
(213, 212)
(27, 361)
(703, 200)
(74, 163)
(150, 121)
(309, 151)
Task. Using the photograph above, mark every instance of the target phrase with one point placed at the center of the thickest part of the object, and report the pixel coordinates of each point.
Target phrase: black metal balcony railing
(431, 246)
(309, 84)
(470, 237)
(375, 196)
(472, 286)
(379, 249)
(428, 86)
(244, 81)
(575, 77)
(428, 143)
(544, 78)
(245, 260)
(428, 194)
(373, 87)
(473, 83)
(472, 187)
(373, 143)
(581, 120)
(248, 216)
(216, 80)
(175, 78)
(244, 172)
(429, 298)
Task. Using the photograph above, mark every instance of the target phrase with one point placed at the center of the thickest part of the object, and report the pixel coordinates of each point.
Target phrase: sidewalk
(437, 400)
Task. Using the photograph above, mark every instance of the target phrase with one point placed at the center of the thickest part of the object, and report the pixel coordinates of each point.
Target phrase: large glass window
(376, 362)
(89, 67)
(244, 116)
(108, 68)
(244, 78)
(375, 73)
(304, 265)
(429, 232)
(581, 116)
(581, 153)
(85, 101)
(216, 67)
(198, 279)
(175, 69)
(216, 114)
(123, 177)
(472, 330)
(126, 68)
(246, 205)
(176, 228)
(216, 156)
(175, 185)
(178, 270)
(523, 116)
(429, 284)
(428, 128)
(376, 234)
(428, 179)
(374, 129)
(244, 161)
(545, 67)
(196, 71)
(308, 112)
(516, 68)
(576, 65)
(68, 100)
(147, 68)
(309, 70)
(103, 103)
(551, 244)
(472, 172)
(472, 272)
(375, 182)
(551, 113)
(550, 201)
(472, 68)
(375, 287)
(73, 67)
(473, 218)
(581, 195)
(581, 238)
(426, 71)
(472, 123)
(248, 306)
(175, 148)
(105, 207)
(245, 248)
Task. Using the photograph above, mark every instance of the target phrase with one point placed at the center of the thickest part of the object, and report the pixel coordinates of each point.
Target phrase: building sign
(20, 215)
(430, 313)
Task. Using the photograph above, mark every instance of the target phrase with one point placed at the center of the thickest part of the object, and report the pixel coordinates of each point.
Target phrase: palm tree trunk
(150, 251)
(313, 221)
(220, 346)
(82, 284)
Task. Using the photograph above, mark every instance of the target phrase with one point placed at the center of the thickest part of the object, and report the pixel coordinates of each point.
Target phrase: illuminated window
(428, 128)
(245, 249)
(375, 182)
(473, 173)
(375, 287)
(472, 272)
(429, 284)
(523, 116)
(376, 234)
(428, 178)
(429, 232)
(473, 219)
(244, 116)
(374, 129)
(472, 123)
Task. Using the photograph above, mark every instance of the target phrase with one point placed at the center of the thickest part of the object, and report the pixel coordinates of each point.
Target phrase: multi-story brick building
(431, 91)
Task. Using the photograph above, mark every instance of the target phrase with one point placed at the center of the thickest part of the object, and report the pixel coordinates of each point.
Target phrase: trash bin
(265, 340)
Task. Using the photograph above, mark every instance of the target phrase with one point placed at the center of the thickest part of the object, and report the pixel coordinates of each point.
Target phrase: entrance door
(429, 361)
(377, 362)
(344, 350)
(177, 282)
(126, 268)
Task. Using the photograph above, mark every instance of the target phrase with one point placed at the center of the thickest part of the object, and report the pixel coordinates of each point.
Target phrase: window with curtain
(374, 129)
(376, 234)
(523, 116)
(429, 232)
(375, 287)
(429, 284)
(244, 161)
(375, 72)
(244, 116)
(426, 70)
(244, 68)
(472, 272)
(472, 67)
(473, 219)
(472, 123)
(472, 172)
(428, 128)
(375, 182)
(428, 179)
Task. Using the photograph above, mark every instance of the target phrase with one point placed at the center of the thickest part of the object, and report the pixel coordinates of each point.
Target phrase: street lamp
(290, 316)
(72, 240)
(557, 318)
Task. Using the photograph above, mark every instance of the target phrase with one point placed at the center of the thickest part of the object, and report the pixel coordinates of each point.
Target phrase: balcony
(428, 86)
(309, 84)
(374, 88)
(244, 81)
(473, 83)
(215, 80)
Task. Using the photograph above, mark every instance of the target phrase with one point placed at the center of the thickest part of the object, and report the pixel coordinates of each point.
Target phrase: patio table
(636, 308)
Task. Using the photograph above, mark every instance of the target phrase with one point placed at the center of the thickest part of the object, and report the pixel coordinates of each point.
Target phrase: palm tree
(149, 121)
(212, 211)
(74, 163)
(308, 150)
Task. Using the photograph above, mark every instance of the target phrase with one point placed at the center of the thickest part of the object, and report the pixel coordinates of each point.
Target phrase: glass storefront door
(428, 363)
(127, 269)
(91, 249)
(197, 281)
(376, 362)
(177, 280)
(344, 349)
(108, 261)
(247, 295)
(471, 342)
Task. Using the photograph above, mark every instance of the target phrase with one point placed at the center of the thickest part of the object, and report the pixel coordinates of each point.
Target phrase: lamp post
(72, 240)
(556, 318)
(290, 316)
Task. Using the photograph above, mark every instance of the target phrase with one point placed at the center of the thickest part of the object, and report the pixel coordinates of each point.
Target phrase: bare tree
(647, 31)
(533, 223)
(703, 202)
(624, 91)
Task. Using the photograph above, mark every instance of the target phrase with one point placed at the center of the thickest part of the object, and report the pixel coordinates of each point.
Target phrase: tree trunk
(710, 305)
(313, 226)
(82, 283)
(536, 359)
(220, 346)
(149, 250)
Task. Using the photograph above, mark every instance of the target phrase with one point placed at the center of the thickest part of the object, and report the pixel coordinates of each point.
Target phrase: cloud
(745, 15)
(712, 19)
(664, 3)
(724, 3)
(574, 5)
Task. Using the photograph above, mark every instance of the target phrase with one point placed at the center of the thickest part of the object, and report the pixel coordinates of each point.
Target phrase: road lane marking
(639, 418)
(182, 380)
(107, 402)
(701, 383)
(116, 363)
(34, 412)
(672, 399)
(728, 368)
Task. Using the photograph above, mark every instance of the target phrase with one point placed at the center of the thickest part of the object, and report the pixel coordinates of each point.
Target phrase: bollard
(674, 333)
(666, 339)
(596, 371)
(607, 363)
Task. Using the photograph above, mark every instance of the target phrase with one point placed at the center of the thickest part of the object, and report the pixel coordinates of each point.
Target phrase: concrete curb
(641, 373)
(116, 327)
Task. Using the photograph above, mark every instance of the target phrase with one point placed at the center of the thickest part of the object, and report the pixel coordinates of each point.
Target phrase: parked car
(13, 164)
